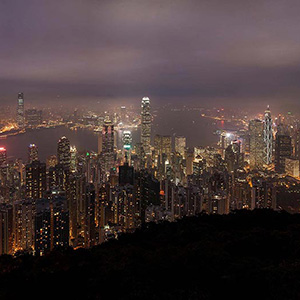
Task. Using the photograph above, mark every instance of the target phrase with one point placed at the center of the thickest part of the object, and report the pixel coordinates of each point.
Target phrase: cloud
(174, 50)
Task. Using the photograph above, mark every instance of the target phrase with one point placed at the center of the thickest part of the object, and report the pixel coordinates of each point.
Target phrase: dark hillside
(244, 255)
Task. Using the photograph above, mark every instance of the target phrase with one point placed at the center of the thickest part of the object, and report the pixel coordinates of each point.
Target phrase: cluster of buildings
(82, 199)
(30, 117)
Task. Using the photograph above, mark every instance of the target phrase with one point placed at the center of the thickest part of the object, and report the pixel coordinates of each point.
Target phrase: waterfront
(199, 131)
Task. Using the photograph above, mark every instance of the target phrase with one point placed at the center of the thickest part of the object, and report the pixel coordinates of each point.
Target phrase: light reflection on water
(198, 131)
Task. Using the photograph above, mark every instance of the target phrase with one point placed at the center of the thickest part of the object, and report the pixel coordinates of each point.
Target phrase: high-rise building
(108, 145)
(263, 193)
(58, 177)
(6, 228)
(123, 115)
(268, 137)
(180, 145)
(89, 215)
(233, 156)
(283, 150)
(296, 143)
(3, 155)
(99, 143)
(218, 204)
(73, 162)
(126, 174)
(127, 140)
(257, 144)
(20, 111)
(33, 153)
(63, 152)
(24, 225)
(42, 227)
(199, 166)
(146, 121)
(163, 145)
(189, 162)
(36, 183)
(51, 223)
(127, 145)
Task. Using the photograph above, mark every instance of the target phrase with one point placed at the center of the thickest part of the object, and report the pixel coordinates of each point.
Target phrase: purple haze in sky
(231, 52)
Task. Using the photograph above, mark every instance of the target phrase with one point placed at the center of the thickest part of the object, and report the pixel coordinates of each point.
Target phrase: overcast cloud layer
(232, 51)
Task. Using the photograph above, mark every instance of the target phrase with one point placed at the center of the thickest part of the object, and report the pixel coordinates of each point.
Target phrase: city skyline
(149, 149)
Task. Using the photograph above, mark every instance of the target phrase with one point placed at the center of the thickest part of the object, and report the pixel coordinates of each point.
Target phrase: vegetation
(243, 255)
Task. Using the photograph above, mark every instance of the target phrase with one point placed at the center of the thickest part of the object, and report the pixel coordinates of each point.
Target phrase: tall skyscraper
(24, 224)
(63, 152)
(99, 143)
(123, 114)
(35, 180)
(189, 162)
(162, 147)
(108, 145)
(51, 223)
(32, 153)
(180, 145)
(20, 111)
(268, 137)
(233, 156)
(256, 131)
(127, 140)
(73, 162)
(283, 150)
(146, 125)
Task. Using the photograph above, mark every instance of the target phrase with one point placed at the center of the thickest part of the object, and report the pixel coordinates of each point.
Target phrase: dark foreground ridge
(241, 255)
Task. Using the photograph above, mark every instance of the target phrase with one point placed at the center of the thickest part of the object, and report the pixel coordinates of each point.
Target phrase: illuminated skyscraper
(108, 145)
(146, 125)
(256, 131)
(268, 137)
(51, 223)
(32, 153)
(123, 114)
(233, 156)
(73, 163)
(180, 145)
(127, 139)
(63, 152)
(89, 216)
(20, 111)
(24, 224)
(99, 143)
(189, 162)
(163, 146)
(35, 180)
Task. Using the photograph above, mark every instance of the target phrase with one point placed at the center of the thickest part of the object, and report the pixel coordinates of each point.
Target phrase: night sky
(230, 52)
